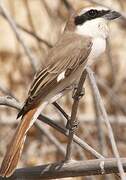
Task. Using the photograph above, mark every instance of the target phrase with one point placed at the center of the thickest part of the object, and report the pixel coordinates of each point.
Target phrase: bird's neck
(98, 47)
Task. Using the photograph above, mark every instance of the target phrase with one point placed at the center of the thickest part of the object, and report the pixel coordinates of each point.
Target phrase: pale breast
(98, 47)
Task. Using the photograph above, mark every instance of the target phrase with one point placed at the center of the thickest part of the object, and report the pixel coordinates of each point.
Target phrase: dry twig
(115, 99)
(68, 5)
(73, 120)
(61, 110)
(51, 137)
(105, 116)
(39, 39)
(6, 91)
(99, 125)
(15, 30)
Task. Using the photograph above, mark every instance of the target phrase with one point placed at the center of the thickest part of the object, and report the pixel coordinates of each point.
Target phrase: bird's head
(93, 21)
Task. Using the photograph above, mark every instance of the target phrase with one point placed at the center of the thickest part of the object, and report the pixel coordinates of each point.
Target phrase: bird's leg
(75, 125)
(72, 125)
(82, 93)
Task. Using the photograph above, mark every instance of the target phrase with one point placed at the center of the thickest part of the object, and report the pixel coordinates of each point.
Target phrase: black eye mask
(89, 15)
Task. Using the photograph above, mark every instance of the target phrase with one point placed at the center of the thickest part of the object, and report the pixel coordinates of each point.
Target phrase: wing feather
(67, 55)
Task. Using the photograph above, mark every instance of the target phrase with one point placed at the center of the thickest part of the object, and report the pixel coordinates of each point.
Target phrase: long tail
(15, 147)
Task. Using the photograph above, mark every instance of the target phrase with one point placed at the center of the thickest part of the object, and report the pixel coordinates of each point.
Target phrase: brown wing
(67, 55)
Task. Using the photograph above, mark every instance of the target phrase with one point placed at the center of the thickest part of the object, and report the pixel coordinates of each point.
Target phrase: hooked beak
(112, 15)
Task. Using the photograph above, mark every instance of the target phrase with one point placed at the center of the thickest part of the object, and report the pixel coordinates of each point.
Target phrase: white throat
(98, 47)
(95, 28)
(99, 31)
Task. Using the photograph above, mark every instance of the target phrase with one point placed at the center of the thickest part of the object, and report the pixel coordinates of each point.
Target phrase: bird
(81, 42)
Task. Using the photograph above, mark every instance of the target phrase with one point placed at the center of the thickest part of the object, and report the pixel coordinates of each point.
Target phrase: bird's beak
(112, 15)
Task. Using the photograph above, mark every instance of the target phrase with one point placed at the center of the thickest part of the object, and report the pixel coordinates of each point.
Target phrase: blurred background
(40, 23)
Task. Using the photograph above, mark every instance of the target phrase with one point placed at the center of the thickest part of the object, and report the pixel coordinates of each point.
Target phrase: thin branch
(9, 101)
(112, 94)
(68, 5)
(69, 169)
(31, 33)
(50, 13)
(15, 30)
(121, 4)
(105, 116)
(99, 125)
(61, 110)
(100, 130)
(51, 137)
(73, 120)
(34, 35)
(30, 22)
(6, 91)
(109, 58)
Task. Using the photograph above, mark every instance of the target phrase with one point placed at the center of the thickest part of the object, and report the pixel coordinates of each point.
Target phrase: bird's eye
(92, 13)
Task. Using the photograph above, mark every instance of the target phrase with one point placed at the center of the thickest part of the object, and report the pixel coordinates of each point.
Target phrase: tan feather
(16, 145)
(67, 55)
(11, 168)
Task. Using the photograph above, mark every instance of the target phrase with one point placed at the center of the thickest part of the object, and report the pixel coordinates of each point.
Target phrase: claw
(68, 123)
(73, 126)
(77, 96)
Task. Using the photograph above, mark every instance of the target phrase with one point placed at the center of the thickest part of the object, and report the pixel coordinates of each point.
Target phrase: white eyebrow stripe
(61, 76)
(99, 8)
